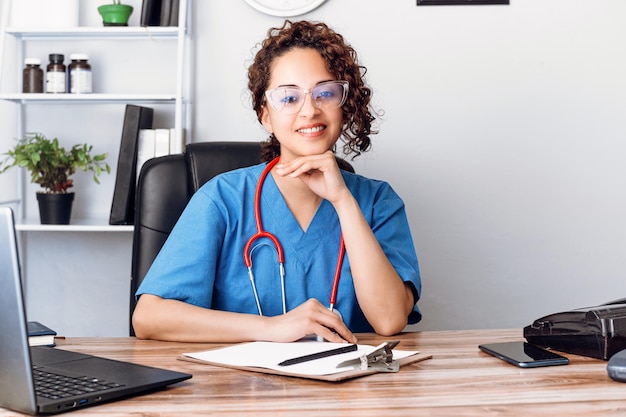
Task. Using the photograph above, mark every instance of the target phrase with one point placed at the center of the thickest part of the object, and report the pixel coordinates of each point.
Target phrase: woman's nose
(309, 106)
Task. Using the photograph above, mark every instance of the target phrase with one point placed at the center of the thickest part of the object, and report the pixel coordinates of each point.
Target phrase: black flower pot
(55, 208)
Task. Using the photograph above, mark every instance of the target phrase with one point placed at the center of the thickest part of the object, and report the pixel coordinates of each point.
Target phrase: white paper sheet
(270, 354)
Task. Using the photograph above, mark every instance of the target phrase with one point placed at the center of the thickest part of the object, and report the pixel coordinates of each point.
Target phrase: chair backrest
(165, 186)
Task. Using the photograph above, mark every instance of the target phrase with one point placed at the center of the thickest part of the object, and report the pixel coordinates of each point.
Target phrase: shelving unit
(33, 225)
(96, 98)
(179, 98)
(111, 32)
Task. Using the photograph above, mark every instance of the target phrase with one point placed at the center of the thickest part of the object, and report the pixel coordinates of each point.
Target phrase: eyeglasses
(327, 95)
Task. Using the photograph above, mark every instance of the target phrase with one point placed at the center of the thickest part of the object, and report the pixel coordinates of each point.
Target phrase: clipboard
(263, 357)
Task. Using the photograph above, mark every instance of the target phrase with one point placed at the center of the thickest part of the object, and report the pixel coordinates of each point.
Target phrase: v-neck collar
(278, 219)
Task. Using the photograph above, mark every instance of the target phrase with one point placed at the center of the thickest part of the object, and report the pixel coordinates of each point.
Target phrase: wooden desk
(458, 381)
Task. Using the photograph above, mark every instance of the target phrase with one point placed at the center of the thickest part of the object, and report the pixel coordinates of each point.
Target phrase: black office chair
(165, 186)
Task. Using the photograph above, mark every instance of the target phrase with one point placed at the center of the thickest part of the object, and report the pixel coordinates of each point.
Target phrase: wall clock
(284, 8)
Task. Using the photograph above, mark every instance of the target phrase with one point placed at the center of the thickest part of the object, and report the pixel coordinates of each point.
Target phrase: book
(40, 335)
(177, 145)
(265, 357)
(169, 12)
(166, 12)
(123, 204)
(146, 145)
(150, 13)
(162, 142)
(174, 13)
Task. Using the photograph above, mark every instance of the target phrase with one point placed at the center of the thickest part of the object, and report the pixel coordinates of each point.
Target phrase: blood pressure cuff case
(597, 332)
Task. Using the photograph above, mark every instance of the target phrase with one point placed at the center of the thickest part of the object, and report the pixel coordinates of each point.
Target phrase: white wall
(503, 131)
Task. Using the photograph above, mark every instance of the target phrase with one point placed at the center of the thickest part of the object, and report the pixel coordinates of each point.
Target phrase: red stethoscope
(260, 233)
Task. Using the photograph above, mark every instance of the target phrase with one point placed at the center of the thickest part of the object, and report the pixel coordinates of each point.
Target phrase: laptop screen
(16, 385)
(116, 379)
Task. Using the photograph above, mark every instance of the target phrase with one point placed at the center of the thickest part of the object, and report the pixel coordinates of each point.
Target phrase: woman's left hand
(319, 172)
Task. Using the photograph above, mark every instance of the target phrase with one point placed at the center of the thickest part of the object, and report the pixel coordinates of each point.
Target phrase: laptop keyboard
(55, 386)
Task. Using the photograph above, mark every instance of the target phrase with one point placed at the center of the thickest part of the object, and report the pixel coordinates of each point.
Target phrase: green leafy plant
(50, 165)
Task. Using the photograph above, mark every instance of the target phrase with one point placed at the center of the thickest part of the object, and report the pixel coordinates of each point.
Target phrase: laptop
(93, 380)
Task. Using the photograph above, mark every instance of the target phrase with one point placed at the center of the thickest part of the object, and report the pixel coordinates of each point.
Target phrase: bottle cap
(32, 61)
(79, 57)
(56, 58)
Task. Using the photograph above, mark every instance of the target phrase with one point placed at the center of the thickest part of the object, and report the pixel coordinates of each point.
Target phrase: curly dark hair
(341, 61)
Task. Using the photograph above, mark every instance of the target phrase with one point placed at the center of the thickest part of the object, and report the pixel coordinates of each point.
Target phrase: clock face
(284, 8)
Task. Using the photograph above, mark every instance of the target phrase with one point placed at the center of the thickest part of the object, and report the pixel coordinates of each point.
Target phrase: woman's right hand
(309, 318)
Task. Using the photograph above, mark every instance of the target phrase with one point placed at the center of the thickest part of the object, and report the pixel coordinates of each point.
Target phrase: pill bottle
(32, 76)
(80, 74)
(56, 74)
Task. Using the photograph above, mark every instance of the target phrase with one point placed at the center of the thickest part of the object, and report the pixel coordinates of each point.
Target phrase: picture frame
(460, 2)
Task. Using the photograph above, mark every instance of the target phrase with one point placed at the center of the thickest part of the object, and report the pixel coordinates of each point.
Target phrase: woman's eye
(289, 99)
(325, 94)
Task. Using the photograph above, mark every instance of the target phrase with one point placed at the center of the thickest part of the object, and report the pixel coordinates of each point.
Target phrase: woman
(308, 92)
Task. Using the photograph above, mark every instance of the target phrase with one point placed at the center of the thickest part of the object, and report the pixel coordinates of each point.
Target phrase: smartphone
(617, 366)
(523, 354)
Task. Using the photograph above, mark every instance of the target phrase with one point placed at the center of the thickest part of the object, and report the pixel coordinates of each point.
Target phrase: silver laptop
(45, 380)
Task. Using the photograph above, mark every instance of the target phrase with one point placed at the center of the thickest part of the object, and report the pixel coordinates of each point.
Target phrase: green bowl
(115, 14)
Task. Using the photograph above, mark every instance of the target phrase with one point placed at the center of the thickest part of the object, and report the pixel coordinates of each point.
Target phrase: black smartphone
(523, 354)
(617, 366)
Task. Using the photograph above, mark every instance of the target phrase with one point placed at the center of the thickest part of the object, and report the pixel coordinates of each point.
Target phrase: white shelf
(109, 37)
(85, 33)
(78, 225)
(68, 98)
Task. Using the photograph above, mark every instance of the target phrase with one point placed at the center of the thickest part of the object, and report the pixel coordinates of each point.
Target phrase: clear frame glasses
(326, 95)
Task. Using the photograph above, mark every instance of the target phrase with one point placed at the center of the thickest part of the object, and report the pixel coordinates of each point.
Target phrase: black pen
(319, 355)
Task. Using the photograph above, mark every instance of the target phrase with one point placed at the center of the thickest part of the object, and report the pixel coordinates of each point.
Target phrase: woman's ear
(265, 119)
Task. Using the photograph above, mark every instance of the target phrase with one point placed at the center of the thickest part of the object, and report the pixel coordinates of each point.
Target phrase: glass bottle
(56, 75)
(80, 74)
(32, 76)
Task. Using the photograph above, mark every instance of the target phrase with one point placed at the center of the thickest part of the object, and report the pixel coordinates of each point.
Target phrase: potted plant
(51, 166)
(115, 14)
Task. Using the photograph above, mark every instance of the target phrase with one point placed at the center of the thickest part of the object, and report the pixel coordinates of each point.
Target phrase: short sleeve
(185, 267)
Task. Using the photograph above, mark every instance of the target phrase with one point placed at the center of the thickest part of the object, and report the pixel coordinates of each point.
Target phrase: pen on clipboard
(319, 355)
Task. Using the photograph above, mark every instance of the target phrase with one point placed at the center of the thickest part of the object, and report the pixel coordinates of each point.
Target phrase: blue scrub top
(202, 261)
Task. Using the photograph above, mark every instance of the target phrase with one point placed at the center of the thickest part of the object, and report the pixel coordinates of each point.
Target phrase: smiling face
(312, 130)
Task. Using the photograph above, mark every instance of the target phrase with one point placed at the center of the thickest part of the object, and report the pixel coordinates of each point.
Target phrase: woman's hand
(309, 318)
(385, 299)
(319, 172)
